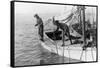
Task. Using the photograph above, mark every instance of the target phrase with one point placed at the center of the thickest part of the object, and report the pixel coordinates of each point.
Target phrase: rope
(63, 54)
(81, 55)
(69, 53)
(63, 33)
(85, 55)
(55, 43)
(92, 54)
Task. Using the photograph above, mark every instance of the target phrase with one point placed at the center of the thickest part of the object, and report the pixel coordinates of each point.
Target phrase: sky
(27, 10)
(37, 8)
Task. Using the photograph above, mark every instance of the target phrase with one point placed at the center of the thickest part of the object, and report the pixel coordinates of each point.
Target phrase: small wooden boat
(72, 51)
(53, 42)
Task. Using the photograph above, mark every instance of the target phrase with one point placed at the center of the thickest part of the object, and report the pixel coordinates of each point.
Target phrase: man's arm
(36, 24)
(56, 29)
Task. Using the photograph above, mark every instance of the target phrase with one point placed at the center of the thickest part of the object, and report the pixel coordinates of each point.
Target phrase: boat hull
(72, 51)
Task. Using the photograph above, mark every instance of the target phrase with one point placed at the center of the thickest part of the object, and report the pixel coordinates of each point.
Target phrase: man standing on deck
(40, 26)
(64, 28)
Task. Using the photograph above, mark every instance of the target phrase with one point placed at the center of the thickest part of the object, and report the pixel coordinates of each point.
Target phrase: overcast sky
(46, 10)
(39, 8)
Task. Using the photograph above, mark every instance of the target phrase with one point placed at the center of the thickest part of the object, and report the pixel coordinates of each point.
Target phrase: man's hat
(35, 15)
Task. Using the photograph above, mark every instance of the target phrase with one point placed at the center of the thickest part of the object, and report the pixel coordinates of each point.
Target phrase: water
(28, 50)
(27, 46)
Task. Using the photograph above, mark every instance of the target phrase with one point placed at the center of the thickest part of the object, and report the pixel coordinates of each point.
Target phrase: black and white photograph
(54, 33)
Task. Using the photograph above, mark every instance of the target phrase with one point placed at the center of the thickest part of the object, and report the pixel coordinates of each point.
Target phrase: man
(64, 28)
(40, 26)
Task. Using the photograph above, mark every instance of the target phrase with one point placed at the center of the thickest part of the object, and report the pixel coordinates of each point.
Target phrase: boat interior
(57, 36)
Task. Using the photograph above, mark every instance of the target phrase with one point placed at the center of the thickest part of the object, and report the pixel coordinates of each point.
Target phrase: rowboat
(53, 42)
(73, 51)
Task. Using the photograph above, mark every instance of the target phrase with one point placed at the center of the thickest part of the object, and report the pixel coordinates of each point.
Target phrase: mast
(83, 25)
(81, 10)
(82, 16)
(84, 37)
